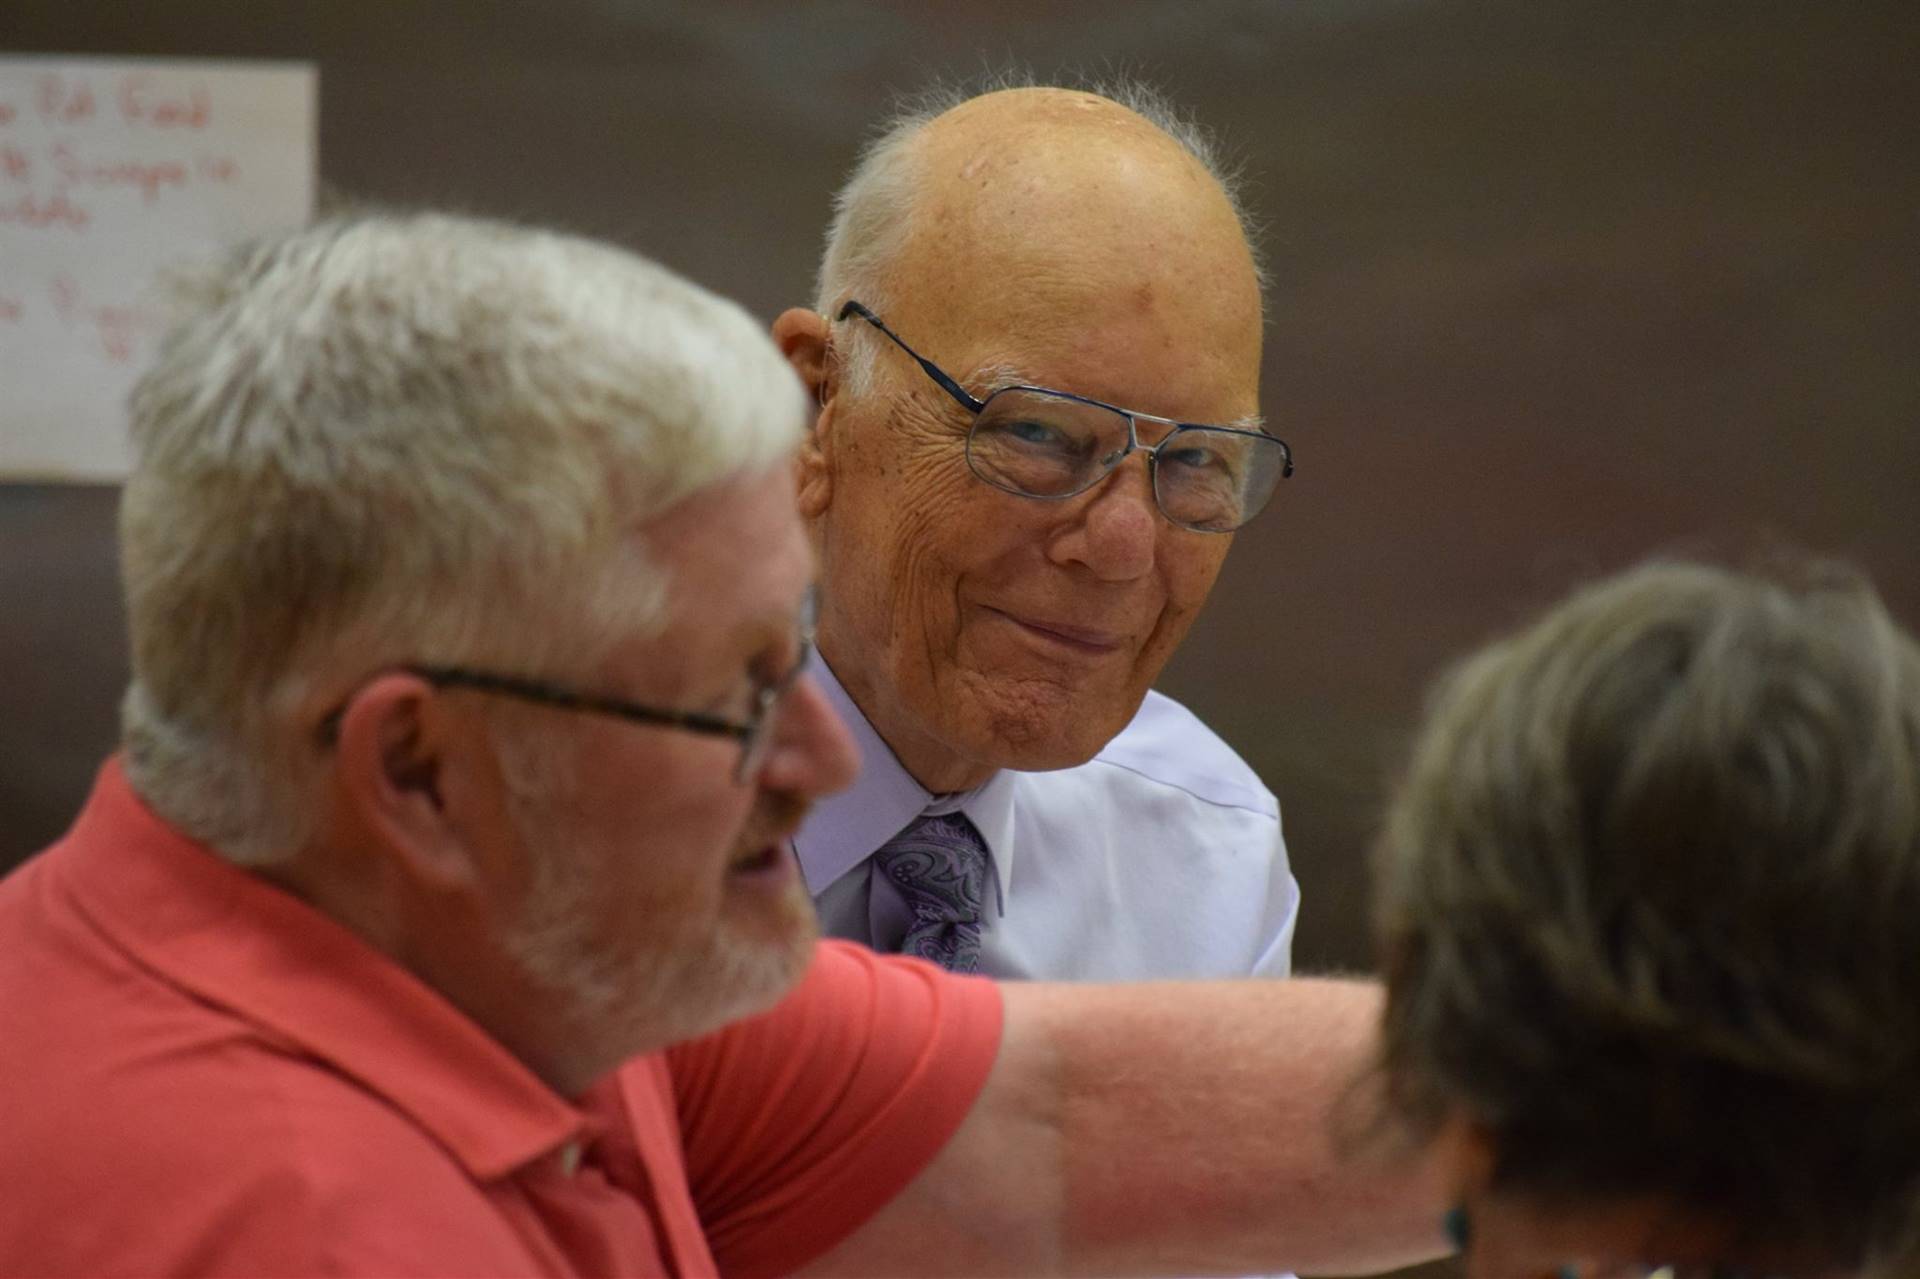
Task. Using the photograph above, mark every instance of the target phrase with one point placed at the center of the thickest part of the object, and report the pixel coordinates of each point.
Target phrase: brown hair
(1648, 900)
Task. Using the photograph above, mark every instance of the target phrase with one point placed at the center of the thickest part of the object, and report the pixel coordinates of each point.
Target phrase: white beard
(648, 986)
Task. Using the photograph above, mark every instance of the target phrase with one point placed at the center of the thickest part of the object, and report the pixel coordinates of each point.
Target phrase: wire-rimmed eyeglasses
(1033, 441)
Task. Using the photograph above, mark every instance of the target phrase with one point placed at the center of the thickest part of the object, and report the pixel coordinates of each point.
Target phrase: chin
(777, 950)
(640, 998)
(1041, 740)
(1046, 756)
(743, 975)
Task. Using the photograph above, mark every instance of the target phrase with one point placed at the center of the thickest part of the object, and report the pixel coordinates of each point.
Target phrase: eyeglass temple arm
(947, 384)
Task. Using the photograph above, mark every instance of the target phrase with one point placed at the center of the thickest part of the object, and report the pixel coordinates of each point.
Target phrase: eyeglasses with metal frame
(1036, 442)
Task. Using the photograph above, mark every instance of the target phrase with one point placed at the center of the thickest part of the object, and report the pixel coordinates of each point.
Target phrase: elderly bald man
(1028, 302)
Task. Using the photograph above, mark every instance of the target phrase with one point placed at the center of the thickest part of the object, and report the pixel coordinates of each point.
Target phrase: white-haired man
(1021, 292)
(437, 916)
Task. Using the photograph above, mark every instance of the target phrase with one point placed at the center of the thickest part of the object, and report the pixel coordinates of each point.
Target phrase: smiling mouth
(1077, 638)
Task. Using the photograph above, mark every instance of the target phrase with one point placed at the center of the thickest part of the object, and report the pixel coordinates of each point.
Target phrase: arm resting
(1167, 1128)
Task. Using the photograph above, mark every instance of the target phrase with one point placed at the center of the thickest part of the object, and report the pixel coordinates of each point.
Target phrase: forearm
(1171, 1128)
(1227, 1127)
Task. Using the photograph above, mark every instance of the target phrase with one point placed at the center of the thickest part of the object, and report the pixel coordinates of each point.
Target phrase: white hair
(873, 211)
(394, 439)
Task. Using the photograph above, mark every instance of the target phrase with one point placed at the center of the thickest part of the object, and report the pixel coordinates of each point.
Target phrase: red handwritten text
(149, 177)
(119, 327)
(142, 103)
(15, 165)
(65, 102)
(57, 211)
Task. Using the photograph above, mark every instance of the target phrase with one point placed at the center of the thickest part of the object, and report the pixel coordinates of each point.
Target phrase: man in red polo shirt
(438, 915)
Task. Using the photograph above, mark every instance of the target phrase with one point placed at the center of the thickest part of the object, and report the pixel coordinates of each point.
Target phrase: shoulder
(1166, 745)
(854, 1009)
(799, 1124)
(234, 1157)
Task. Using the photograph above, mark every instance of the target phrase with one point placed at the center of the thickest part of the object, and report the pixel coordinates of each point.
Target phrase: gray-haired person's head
(394, 439)
(1647, 904)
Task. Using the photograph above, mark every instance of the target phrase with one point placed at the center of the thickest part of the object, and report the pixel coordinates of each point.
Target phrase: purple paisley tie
(939, 864)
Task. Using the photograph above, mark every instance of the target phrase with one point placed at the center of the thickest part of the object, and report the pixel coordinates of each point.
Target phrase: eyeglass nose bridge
(1111, 462)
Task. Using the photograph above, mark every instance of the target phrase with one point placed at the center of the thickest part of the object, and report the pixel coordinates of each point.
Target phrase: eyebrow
(998, 376)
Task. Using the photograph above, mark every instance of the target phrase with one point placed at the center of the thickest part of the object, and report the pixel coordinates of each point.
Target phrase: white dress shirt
(1161, 857)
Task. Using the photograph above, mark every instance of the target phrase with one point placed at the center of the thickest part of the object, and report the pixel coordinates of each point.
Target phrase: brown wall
(1556, 285)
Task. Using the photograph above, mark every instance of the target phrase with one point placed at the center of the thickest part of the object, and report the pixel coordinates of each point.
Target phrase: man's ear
(805, 339)
(400, 766)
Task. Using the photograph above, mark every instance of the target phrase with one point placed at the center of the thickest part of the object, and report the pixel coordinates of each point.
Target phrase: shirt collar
(232, 939)
(846, 829)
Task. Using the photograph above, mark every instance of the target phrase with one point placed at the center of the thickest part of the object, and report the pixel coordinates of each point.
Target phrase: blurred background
(1557, 284)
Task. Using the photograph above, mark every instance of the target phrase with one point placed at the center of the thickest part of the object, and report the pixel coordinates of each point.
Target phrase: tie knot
(939, 864)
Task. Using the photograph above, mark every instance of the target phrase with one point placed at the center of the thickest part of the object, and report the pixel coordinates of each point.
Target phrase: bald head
(1020, 190)
(925, 147)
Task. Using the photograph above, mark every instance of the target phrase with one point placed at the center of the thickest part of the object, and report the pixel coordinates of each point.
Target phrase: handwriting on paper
(112, 173)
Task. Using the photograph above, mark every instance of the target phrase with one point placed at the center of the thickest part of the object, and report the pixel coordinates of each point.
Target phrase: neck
(938, 771)
(934, 765)
(450, 947)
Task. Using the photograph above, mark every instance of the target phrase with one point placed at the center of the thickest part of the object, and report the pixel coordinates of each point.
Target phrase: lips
(765, 848)
(1085, 638)
(760, 860)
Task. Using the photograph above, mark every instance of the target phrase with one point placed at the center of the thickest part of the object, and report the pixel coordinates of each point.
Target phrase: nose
(1114, 525)
(812, 752)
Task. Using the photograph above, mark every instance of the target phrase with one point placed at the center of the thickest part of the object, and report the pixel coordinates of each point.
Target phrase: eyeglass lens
(1040, 444)
(767, 699)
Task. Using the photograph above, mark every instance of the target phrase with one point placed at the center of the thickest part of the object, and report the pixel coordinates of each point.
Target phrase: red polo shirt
(199, 1073)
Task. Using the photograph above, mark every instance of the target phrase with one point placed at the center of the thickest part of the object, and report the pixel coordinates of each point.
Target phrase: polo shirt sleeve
(801, 1123)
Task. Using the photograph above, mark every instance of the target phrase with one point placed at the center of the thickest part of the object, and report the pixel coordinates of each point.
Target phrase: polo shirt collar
(844, 830)
(232, 939)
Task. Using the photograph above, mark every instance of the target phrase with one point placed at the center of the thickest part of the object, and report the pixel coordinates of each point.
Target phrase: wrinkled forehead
(1055, 251)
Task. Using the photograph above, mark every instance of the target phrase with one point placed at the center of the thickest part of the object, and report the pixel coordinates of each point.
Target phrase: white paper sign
(111, 172)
